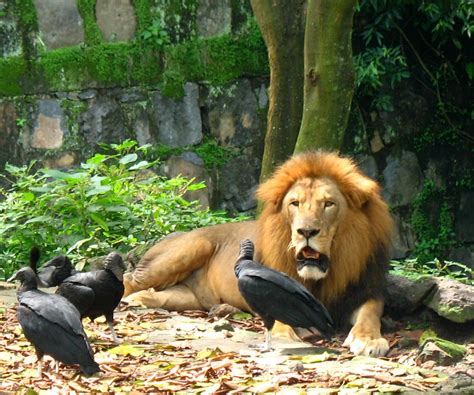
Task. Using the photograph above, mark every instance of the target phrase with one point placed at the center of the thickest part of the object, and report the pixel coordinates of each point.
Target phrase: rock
(223, 325)
(63, 162)
(87, 94)
(50, 126)
(402, 179)
(190, 165)
(459, 383)
(442, 351)
(116, 19)
(222, 310)
(376, 143)
(404, 296)
(141, 127)
(214, 17)
(59, 22)
(368, 165)
(102, 122)
(465, 218)
(178, 122)
(131, 96)
(452, 300)
(9, 134)
(234, 118)
(10, 40)
(461, 255)
(403, 239)
(238, 180)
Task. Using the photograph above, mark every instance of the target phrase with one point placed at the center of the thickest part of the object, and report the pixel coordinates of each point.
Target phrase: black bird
(52, 324)
(55, 271)
(97, 292)
(275, 296)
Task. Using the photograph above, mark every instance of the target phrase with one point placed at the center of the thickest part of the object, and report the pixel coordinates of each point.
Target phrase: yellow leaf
(314, 358)
(207, 353)
(126, 349)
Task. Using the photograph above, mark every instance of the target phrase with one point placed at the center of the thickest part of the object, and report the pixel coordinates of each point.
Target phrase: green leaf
(57, 174)
(28, 196)
(98, 190)
(140, 165)
(99, 220)
(241, 316)
(41, 218)
(129, 158)
(470, 70)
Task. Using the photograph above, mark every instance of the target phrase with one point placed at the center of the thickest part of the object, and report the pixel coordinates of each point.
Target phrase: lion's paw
(365, 345)
(284, 332)
(146, 298)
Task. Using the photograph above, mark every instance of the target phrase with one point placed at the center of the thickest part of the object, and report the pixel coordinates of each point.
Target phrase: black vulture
(97, 292)
(52, 324)
(55, 271)
(275, 296)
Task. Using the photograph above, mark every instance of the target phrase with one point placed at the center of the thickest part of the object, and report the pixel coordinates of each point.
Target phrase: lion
(323, 223)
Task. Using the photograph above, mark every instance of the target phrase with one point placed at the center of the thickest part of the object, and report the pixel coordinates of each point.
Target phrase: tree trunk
(328, 74)
(282, 25)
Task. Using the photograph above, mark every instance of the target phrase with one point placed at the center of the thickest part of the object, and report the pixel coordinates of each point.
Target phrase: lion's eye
(295, 203)
(328, 203)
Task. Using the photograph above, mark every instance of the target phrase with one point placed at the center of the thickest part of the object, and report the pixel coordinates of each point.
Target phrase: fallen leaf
(208, 352)
(126, 349)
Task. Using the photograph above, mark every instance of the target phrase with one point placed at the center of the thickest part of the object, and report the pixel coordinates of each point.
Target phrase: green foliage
(436, 236)
(389, 50)
(415, 269)
(213, 154)
(156, 35)
(112, 201)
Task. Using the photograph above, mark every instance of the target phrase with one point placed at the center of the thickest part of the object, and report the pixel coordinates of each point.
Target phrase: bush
(111, 202)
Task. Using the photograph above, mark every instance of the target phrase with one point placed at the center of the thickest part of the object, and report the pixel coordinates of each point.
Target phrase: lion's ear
(361, 190)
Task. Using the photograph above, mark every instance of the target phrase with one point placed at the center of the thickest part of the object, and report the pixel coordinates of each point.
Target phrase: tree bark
(328, 74)
(282, 25)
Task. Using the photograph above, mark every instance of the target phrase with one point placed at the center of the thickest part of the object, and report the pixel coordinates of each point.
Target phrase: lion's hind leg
(169, 262)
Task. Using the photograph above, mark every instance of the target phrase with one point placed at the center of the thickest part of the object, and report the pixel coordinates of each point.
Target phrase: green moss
(12, 70)
(25, 13)
(215, 61)
(143, 14)
(455, 351)
(92, 33)
(434, 232)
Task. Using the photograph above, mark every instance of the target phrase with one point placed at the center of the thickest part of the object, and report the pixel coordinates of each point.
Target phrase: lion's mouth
(309, 257)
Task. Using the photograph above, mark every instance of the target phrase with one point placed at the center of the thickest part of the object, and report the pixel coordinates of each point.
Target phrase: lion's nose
(308, 232)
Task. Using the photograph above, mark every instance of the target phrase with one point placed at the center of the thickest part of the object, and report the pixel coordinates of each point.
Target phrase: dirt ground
(194, 352)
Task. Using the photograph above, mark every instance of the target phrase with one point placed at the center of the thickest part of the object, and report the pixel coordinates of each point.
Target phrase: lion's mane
(362, 239)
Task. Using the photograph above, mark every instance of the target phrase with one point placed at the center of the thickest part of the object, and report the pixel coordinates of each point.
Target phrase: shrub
(112, 201)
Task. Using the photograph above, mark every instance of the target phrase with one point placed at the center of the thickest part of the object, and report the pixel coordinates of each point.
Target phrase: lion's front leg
(176, 298)
(365, 337)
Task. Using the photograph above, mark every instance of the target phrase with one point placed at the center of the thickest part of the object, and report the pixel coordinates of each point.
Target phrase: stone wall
(60, 113)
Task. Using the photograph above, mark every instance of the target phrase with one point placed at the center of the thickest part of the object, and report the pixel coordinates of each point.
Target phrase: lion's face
(314, 208)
